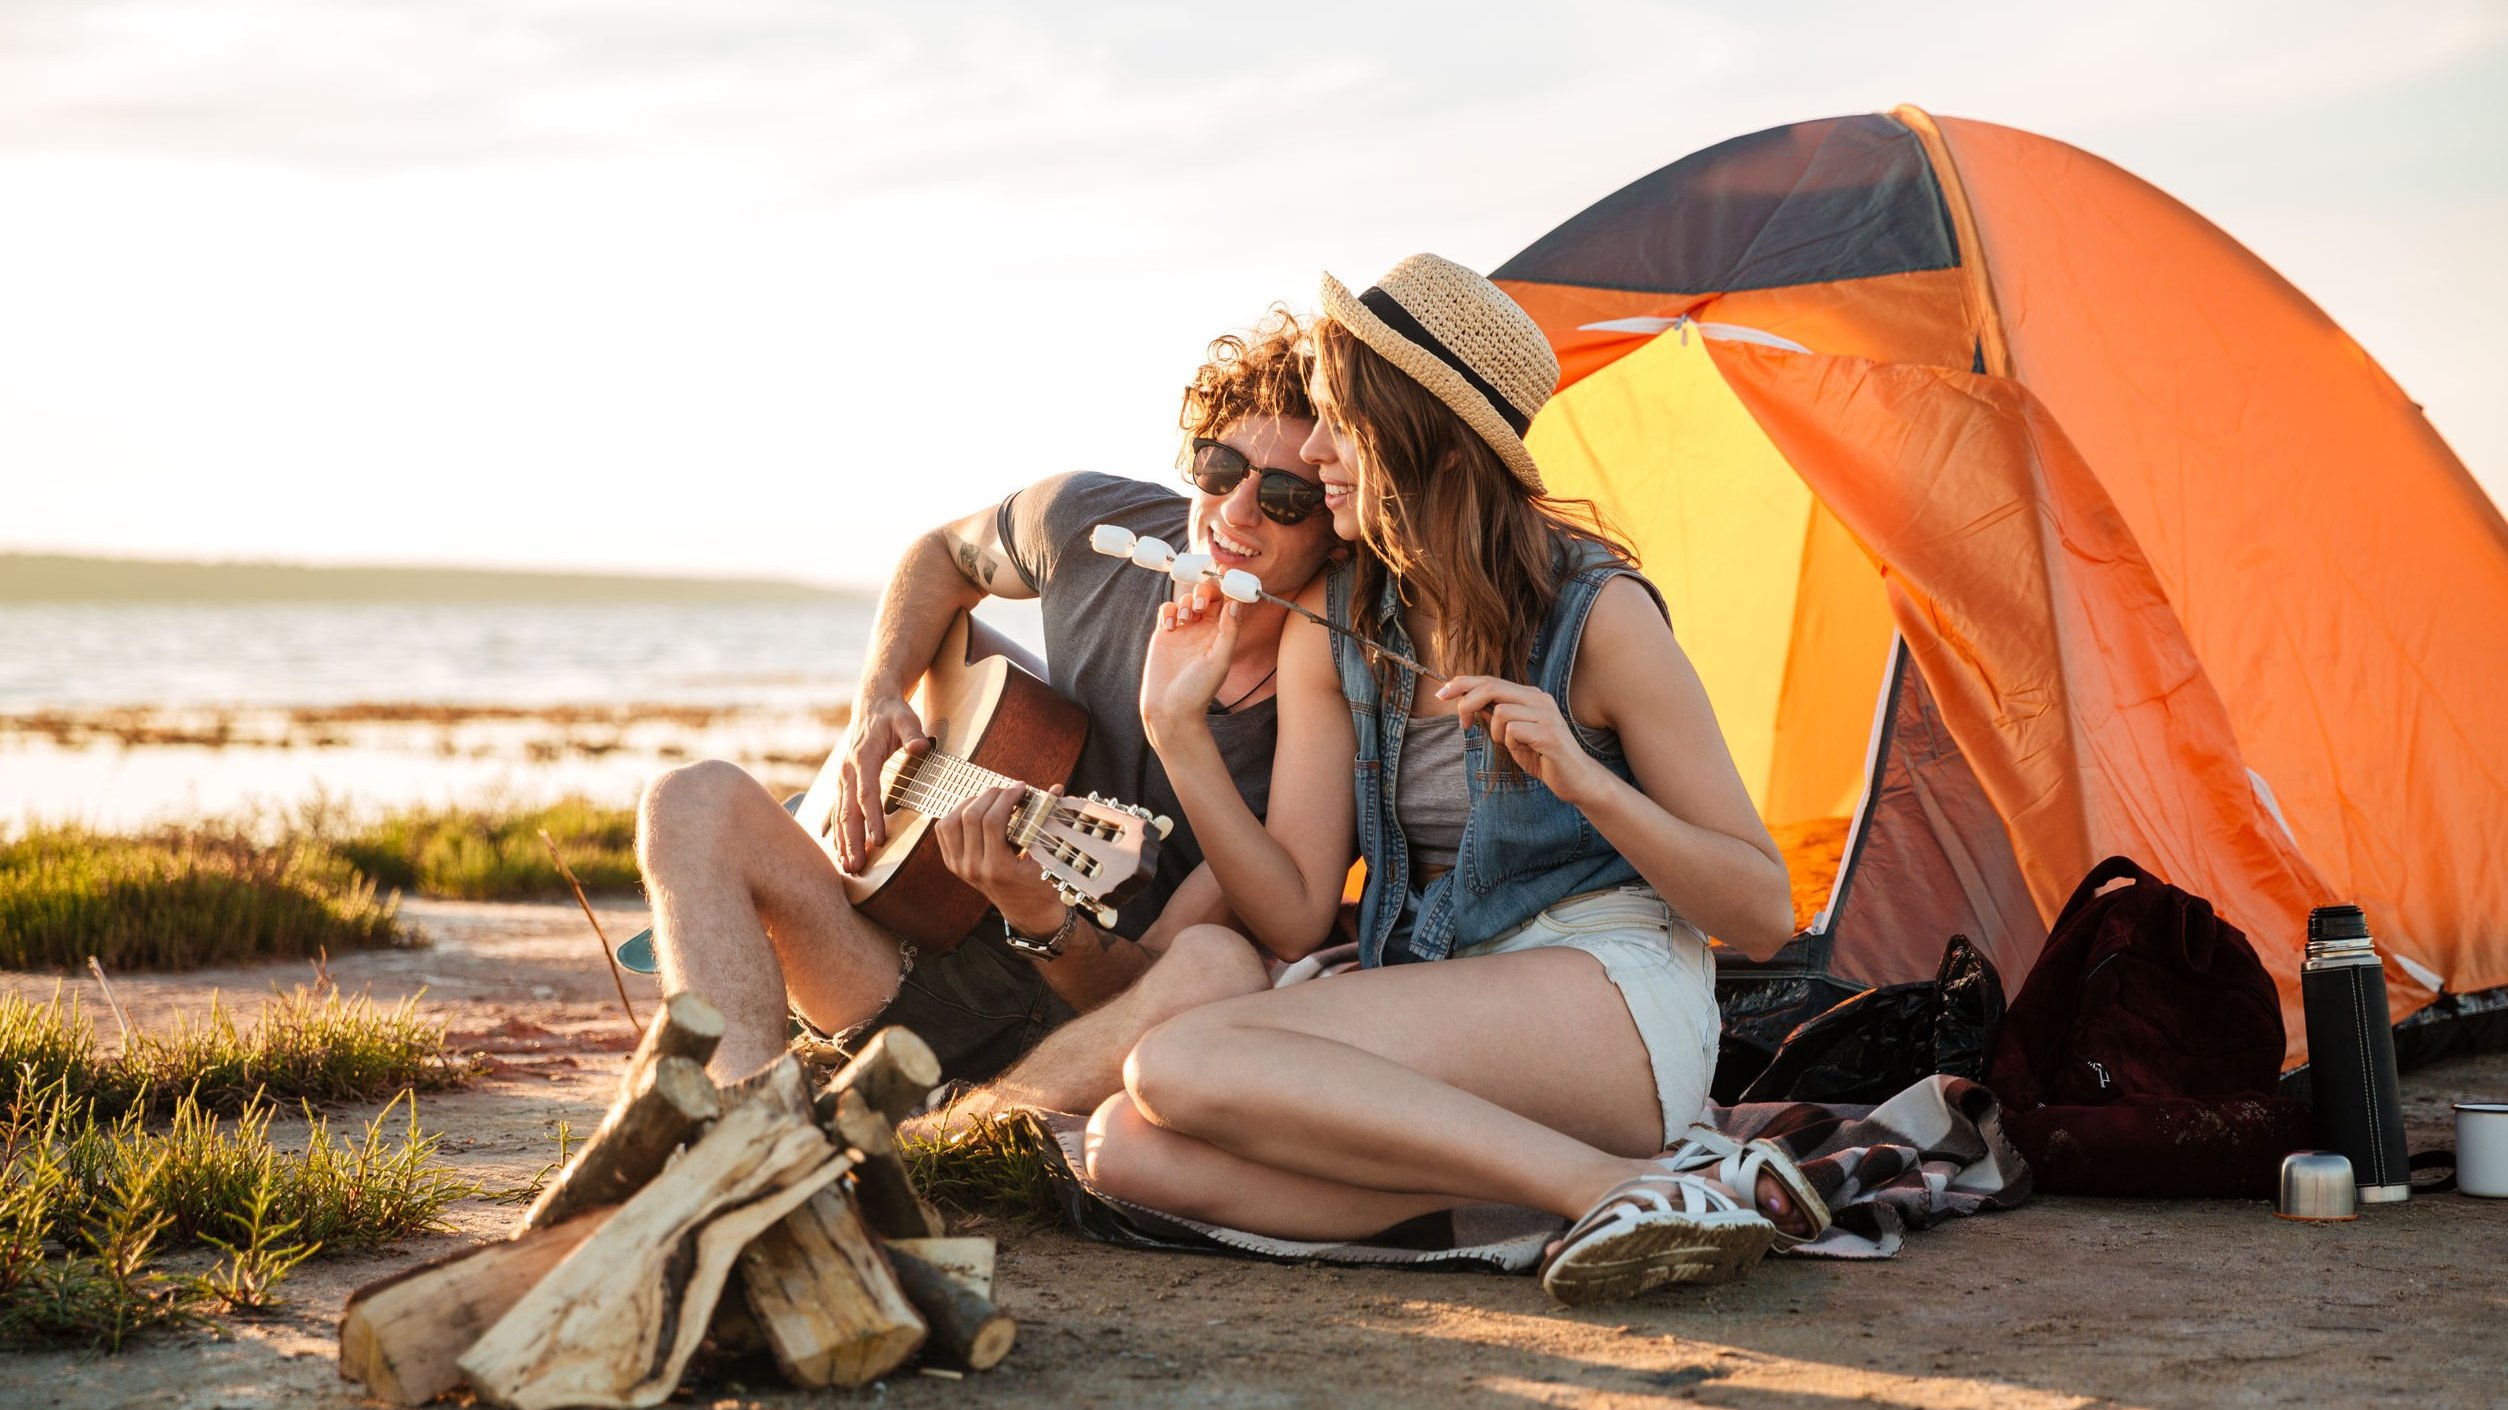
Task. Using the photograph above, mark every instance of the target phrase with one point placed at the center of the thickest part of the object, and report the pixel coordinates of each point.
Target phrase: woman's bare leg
(1516, 1078)
(1334, 1109)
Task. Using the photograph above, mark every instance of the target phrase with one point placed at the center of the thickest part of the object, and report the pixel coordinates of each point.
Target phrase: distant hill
(48, 577)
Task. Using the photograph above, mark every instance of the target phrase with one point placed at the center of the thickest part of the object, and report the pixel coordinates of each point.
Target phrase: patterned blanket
(1934, 1151)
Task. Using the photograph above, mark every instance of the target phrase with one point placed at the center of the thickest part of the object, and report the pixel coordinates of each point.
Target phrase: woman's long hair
(1451, 524)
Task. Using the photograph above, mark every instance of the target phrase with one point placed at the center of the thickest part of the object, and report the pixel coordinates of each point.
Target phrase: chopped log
(825, 1298)
(687, 1026)
(662, 1107)
(615, 1324)
(883, 1190)
(821, 1294)
(895, 1072)
(968, 1332)
(399, 1335)
(780, 1082)
(968, 1260)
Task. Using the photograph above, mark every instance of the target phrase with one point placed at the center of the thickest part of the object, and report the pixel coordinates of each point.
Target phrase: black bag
(1871, 1046)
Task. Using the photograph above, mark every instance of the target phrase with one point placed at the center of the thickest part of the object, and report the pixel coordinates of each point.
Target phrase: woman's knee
(1121, 1151)
(1179, 1075)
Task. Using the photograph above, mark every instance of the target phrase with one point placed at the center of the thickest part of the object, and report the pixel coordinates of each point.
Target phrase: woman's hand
(1189, 655)
(1527, 724)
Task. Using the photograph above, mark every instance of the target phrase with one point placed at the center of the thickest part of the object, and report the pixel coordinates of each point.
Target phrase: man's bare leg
(750, 913)
(1080, 1064)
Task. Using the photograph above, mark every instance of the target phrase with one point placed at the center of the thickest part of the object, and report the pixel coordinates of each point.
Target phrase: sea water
(770, 674)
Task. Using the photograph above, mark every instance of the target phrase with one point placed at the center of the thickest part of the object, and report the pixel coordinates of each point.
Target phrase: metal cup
(2316, 1186)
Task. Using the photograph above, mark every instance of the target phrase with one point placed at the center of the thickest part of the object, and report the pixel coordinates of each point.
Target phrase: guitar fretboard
(934, 782)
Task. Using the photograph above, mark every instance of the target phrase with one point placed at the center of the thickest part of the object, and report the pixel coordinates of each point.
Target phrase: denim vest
(1524, 848)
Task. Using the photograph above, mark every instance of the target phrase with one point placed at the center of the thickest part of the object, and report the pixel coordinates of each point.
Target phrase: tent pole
(1986, 317)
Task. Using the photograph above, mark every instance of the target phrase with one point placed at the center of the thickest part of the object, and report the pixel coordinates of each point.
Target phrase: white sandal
(1652, 1230)
(1707, 1151)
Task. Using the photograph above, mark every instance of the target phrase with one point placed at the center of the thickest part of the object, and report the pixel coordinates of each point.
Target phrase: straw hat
(1455, 334)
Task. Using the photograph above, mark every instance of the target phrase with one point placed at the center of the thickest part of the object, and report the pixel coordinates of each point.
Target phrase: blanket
(1934, 1151)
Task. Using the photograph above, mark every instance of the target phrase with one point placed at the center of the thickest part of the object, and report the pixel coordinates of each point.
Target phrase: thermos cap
(2338, 937)
(2317, 1185)
(2338, 923)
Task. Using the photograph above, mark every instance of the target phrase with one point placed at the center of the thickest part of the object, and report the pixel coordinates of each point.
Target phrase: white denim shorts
(1664, 972)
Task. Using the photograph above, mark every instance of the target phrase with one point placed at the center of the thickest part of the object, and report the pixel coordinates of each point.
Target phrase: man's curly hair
(1261, 372)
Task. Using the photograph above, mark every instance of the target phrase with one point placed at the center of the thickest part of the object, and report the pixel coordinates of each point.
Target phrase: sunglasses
(1217, 469)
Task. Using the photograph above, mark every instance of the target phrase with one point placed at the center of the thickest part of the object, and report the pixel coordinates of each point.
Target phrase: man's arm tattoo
(977, 565)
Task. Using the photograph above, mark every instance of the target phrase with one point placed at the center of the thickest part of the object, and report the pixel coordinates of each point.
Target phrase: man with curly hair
(749, 911)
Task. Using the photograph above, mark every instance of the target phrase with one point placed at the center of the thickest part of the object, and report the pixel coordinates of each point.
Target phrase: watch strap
(1045, 945)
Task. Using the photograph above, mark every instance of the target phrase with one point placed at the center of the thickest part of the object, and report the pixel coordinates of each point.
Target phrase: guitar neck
(934, 782)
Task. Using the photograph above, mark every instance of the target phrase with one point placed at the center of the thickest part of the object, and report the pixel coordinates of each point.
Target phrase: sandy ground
(2066, 1302)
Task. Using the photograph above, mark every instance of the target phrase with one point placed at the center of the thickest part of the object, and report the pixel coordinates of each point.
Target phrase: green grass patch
(92, 1194)
(987, 1165)
(180, 899)
(305, 1047)
(89, 1203)
(494, 854)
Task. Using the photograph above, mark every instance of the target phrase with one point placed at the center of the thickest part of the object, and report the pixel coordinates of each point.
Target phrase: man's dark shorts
(981, 1006)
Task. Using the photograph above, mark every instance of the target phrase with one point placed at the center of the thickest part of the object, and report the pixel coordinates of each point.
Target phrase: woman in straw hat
(1555, 826)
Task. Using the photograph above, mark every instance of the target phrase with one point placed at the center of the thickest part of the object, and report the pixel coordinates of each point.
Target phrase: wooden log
(780, 1082)
(687, 1026)
(968, 1332)
(615, 1323)
(895, 1072)
(968, 1260)
(664, 1105)
(883, 1190)
(400, 1335)
(825, 1298)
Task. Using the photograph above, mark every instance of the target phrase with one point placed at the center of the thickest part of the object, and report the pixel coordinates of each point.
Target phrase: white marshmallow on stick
(1237, 585)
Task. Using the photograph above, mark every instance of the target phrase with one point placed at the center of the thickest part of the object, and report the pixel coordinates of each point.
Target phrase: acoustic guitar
(992, 720)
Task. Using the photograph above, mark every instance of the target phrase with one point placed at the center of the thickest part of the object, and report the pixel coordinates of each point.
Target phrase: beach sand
(2064, 1302)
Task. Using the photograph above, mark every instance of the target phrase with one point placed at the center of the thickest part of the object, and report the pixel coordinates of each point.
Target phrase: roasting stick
(1237, 585)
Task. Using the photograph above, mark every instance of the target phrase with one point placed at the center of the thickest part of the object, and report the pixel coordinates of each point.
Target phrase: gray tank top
(1431, 800)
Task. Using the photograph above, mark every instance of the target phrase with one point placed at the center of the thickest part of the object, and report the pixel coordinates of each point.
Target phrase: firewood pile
(765, 1214)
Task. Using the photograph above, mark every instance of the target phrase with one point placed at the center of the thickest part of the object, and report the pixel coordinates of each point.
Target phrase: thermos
(2351, 1054)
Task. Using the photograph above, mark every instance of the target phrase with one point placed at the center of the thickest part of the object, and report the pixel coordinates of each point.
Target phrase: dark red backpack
(2143, 1051)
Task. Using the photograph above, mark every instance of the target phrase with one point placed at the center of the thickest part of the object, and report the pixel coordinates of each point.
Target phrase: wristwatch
(1046, 946)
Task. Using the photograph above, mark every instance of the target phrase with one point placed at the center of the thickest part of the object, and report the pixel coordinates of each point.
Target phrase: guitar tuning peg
(1105, 917)
(1162, 826)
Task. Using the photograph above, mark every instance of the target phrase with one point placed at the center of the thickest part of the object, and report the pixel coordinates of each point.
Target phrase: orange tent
(2016, 516)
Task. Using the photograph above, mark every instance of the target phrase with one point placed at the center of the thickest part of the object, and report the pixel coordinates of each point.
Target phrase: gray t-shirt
(1099, 613)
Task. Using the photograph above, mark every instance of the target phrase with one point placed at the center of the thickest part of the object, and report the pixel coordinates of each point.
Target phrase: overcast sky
(770, 285)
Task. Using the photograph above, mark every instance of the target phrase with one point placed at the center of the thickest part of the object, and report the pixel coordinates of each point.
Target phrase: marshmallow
(1113, 540)
(1239, 585)
(1153, 554)
(1191, 568)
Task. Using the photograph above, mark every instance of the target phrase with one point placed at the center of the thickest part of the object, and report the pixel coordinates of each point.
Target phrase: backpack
(2142, 1054)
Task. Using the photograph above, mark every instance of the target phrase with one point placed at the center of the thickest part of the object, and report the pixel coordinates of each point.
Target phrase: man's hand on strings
(879, 729)
(975, 845)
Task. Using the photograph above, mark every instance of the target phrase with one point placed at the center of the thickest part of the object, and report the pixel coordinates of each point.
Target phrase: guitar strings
(934, 791)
